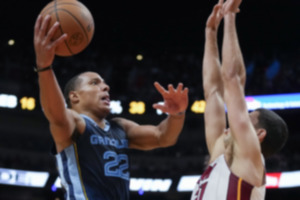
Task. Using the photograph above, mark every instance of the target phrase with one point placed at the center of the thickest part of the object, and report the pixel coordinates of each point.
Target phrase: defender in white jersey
(236, 168)
(218, 182)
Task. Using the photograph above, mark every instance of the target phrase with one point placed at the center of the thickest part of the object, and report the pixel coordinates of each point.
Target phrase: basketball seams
(60, 28)
(59, 4)
(77, 20)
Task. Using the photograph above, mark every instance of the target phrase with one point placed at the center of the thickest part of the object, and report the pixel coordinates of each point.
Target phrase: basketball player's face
(94, 93)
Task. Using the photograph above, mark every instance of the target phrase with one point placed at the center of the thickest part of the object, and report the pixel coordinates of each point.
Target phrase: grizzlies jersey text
(96, 166)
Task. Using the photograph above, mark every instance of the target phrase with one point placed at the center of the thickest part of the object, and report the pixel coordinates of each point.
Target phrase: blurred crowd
(129, 78)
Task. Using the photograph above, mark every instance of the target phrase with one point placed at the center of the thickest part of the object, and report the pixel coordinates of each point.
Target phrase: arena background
(170, 37)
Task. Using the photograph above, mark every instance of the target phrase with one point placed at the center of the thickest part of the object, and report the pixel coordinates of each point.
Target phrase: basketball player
(236, 168)
(91, 151)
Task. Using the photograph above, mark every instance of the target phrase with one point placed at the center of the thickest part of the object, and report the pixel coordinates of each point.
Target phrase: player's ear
(73, 96)
(261, 134)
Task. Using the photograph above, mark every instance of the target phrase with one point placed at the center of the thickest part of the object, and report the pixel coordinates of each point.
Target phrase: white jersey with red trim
(219, 183)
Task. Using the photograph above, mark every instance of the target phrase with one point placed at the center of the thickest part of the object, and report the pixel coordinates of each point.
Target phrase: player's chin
(106, 110)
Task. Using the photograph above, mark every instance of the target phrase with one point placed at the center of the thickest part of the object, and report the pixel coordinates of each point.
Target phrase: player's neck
(99, 120)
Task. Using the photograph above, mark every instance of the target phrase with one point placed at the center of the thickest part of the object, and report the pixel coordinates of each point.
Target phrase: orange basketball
(76, 20)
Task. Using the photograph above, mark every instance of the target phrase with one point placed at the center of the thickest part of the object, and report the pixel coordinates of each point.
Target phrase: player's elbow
(228, 74)
(233, 71)
(212, 91)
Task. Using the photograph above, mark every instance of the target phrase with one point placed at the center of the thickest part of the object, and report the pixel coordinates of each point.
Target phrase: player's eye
(94, 82)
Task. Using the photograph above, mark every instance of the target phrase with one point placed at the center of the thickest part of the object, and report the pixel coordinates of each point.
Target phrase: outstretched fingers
(175, 100)
(165, 93)
(179, 87)
(171, 90)
(181, 90)
(185, 92)
(231, 6)
(215, 17)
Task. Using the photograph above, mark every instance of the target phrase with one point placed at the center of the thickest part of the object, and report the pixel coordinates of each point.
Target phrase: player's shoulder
(119, 121)
(126, 124)
(78, 119)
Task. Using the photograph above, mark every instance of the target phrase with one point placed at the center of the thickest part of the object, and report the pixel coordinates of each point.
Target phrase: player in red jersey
(236, 167)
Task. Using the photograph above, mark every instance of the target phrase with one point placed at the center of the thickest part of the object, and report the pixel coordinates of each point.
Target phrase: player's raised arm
(214, 115)
(234, 76)
(166, 132)
(51, 97)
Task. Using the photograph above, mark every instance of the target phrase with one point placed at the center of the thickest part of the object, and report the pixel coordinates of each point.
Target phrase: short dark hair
(277, 131)
(71, 86)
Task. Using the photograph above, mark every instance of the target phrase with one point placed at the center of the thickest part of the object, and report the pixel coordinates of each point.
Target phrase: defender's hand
(215, 17)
